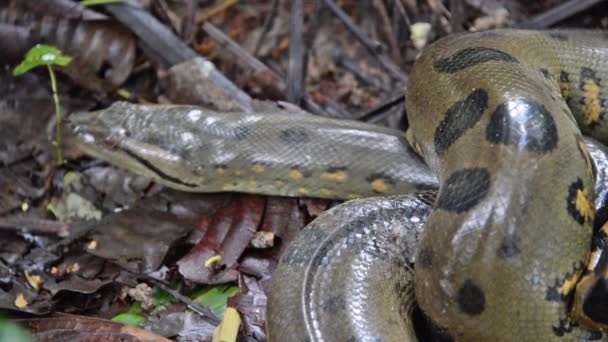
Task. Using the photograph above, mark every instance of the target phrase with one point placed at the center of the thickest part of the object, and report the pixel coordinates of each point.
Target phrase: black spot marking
(375, 177)
(220, 166)
(558, 36)
(509, 246)
(241, 133)
(294, 136)
(586, 75)
(594, 335)
(471, 299)
(464, 189)
(334, 305)
(425, 258)
(564, 85)
(573, 210)
(523, 123)
(471, 56)
(594, 305)
(593, 105)
(554, 292)
(335, 169)
(463, 115)
(565, 326)
(545, 72)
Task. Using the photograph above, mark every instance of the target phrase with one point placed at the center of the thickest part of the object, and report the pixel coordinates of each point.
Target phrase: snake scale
(495, 122)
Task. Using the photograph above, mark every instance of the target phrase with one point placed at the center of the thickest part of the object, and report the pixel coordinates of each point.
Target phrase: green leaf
(161, 297)
(215, 297)
(41, 55)
(10, 331)
(130, 319)
(135, 308)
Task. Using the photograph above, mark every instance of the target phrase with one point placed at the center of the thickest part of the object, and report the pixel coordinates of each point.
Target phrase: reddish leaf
(228, 234)
(138, 239)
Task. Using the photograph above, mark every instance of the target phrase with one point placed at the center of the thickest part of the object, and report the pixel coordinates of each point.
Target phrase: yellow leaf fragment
(34, 280)
(20, 301)
(213, 260)
(228, 329)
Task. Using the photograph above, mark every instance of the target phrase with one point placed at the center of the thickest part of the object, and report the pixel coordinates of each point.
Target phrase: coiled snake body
(497, 116)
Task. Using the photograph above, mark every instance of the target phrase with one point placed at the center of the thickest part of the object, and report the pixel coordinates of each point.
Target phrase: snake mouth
(97, 138)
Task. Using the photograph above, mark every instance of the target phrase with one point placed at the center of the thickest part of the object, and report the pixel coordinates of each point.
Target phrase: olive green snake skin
(497, 116)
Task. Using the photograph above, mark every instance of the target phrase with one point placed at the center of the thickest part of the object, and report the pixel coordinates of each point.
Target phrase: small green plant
(11, 331)
(45, 55)
(215, 297)
(132, 317)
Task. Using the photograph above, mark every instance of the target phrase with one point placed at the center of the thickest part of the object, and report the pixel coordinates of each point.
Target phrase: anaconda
(497, 117)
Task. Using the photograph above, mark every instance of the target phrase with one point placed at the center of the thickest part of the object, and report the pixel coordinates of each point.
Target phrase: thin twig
(349, 64)
(388, 29)
(254, 63)
(35, 226)
(372, 46)
(297, 54)
(58, 117)
(274, 9)
(379, 112)
(193, 305)
(403, 12)
(163, 43)
(558, 13)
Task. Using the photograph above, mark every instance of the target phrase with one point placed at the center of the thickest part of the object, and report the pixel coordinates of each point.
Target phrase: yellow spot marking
(354, 196)
(220, 170)
(227, 187)
(304, 191)
(583, 148)
(259, 168)
(418, 149)
(34, 280)
(296, 174)
(570, 283)
(565, 89)
(238, 172)
(379, 185)
(337, 176)
(279, 184)
(593, 259)
(326, 192)
(583, 205)
(604, 228)
(252, 185)
(592, 105)
(93, 245)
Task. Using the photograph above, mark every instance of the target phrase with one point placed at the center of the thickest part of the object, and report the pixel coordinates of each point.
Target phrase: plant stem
(58, 117)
